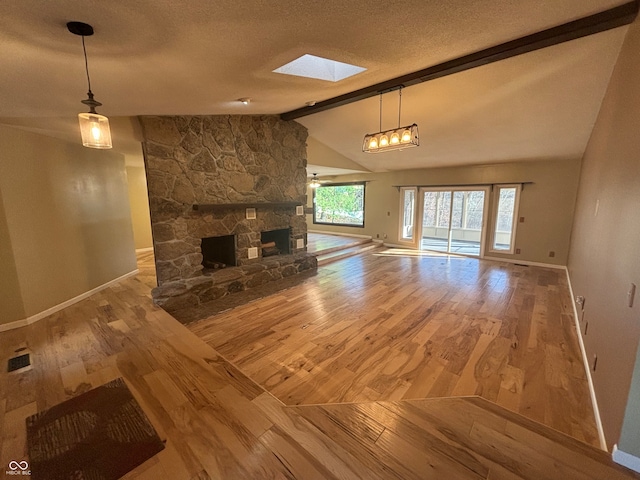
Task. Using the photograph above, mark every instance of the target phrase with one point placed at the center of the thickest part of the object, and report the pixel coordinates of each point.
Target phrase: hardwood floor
(406, 325)
(317, 242)
(219, 424)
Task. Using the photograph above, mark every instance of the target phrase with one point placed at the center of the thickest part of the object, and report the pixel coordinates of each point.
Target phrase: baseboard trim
(144, 250)
(339, 234)
(395, 245)
(525, 262)
(50, 311)
(625, 459)
(592, 391)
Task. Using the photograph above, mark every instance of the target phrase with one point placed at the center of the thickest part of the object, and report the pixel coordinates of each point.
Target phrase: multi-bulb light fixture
(395, 139)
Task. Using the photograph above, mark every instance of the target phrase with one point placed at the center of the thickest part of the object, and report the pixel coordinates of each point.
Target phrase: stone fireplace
(223, 192)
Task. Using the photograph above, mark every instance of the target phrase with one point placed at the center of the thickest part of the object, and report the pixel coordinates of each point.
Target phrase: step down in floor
(344, 251)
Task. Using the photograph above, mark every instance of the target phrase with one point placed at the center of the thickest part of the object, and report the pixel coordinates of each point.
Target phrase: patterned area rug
(99, 435)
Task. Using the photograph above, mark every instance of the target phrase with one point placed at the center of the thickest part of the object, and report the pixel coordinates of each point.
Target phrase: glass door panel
(453, 221)
(435, 221)
(467, 221)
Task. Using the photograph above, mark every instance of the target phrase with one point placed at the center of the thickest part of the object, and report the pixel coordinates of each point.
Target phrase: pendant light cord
(86, 63)
(380, 112)
(399, 106)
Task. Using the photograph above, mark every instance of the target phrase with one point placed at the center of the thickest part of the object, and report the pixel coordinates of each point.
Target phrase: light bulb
(384, 141)
(395, 138)
(406, 136)
(373, 143)
(95, 132)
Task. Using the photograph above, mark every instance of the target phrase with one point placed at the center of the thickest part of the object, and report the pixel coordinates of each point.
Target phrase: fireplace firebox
(276, 242)
(219, 252)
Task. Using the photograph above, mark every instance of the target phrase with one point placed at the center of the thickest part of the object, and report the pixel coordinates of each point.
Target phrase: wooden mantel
(227, 206)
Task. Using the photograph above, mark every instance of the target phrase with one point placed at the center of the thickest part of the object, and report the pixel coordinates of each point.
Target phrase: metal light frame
(394, 139)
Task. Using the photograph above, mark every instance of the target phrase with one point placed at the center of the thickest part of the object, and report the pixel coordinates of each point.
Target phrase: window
(407, 213)
(505, 213)
(339, 204)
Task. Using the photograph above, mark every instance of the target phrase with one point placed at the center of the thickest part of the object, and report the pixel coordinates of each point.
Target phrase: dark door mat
(16, 363)
(99, 435)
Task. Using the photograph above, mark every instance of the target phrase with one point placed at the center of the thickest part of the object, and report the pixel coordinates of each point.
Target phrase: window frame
(401, 238)
(342, 184)
(494, 220)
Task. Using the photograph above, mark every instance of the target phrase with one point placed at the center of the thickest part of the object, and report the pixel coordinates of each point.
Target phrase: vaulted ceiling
(199, 57)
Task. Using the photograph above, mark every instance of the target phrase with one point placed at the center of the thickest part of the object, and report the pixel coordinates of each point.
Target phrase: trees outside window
(339, 204)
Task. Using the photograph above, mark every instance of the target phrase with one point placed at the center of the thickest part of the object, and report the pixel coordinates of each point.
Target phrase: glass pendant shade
(95, 131)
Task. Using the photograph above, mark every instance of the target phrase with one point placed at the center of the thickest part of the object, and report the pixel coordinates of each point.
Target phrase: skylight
(311, 66)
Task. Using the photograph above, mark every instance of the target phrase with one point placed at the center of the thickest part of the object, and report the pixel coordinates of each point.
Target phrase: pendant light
(94, 127)
(396, 139)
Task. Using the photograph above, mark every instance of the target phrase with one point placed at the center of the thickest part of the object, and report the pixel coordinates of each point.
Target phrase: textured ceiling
(198, 57)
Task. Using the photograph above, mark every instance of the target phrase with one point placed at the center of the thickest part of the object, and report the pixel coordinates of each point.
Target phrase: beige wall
(11, 306)
(547, 204)
(605, 243)
(320, 154)
(139, 202)
(67, 214)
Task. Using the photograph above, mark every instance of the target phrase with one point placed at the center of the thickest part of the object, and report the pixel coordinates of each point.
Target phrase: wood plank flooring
(406, 325)
(219, 424)
(322, 242)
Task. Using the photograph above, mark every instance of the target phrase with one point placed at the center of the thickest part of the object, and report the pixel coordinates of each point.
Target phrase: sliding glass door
(453, 220)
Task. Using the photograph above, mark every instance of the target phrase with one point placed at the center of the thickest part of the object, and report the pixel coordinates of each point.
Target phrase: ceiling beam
(599, 22)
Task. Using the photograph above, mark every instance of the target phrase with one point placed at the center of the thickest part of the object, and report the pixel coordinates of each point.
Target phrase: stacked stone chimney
(203, 172)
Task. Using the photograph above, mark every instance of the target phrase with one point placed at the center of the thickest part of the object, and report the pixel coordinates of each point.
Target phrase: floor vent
(16, 363)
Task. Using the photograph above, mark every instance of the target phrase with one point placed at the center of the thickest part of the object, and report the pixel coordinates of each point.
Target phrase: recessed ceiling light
(310, 66)
(245, 101)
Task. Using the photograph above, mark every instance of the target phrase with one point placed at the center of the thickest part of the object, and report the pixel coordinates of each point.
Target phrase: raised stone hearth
(195, 162)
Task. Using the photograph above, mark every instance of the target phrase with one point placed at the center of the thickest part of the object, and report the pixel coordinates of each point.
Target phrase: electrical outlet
(552, 254)
(253, 252)
(517, 251)
(377, 235)
(300, 243)
(384, 235)
(521, 219)
(299, 210)
(250, 213)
